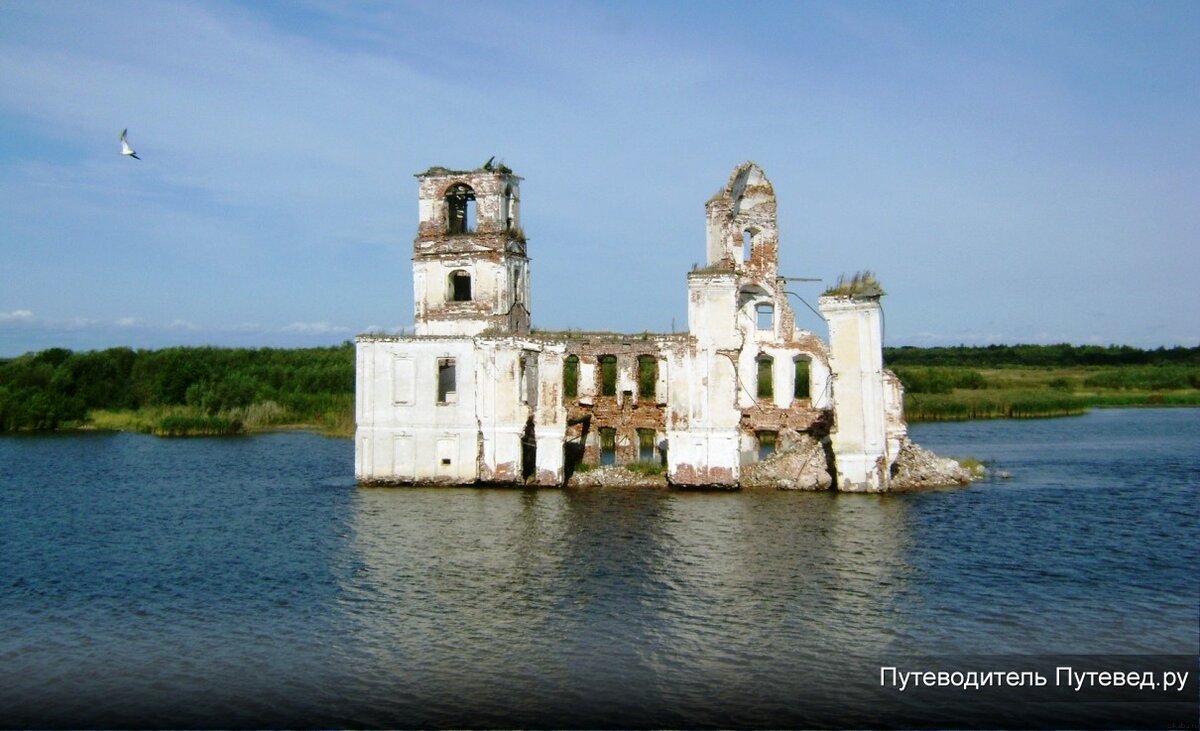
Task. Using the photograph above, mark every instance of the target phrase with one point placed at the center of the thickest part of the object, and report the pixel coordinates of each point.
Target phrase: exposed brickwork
(525, 395)
(690, 476)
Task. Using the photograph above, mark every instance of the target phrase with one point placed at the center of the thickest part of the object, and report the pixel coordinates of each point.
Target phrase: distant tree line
(1061, 355)
(58, 387)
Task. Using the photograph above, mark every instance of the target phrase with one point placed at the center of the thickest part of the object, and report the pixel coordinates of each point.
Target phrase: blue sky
(1013, 172)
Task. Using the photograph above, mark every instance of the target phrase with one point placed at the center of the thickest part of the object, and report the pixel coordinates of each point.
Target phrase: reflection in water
(621, 605)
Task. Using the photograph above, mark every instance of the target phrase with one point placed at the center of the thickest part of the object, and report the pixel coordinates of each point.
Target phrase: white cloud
(315, 328)
(16, 316)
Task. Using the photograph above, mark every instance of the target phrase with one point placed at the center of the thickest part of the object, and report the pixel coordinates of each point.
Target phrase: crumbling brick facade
(476, 396)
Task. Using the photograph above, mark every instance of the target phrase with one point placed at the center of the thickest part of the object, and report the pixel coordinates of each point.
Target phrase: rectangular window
(647, 375)
(802, 378)
(571, 376)
(608, 375)
(529, 379)
(447, 390)
(766, 444)
(646, 445)
(608, 445)
(766, 316)
(766, 384)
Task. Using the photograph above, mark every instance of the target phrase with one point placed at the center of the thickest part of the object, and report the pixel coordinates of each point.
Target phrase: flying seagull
(125, 148)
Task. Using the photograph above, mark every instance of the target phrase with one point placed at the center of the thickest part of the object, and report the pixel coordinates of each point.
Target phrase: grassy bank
(180, 391)
(335, 420)
(943, 393)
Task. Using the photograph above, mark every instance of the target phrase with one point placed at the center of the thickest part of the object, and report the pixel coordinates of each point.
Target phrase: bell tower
(470, 267)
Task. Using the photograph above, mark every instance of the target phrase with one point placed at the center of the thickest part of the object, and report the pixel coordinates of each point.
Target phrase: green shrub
(938, 379)
(646, 468)
(202, 425)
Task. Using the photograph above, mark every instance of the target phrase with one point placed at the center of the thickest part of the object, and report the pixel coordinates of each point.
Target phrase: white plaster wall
(820, 388)
(586, 388)
(712, 308)
(626, 378)
(895, 427)
(678, 376)
(661, 383)
(856, 359)
(708, 396)
(501, 410)
(550, 417)
(436, 315)
(707, 449)
(403, 434)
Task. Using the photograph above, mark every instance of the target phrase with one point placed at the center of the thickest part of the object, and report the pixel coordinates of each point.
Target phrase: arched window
(508, 208)
(460, 286)
(460, 209)
(801, 388)
(766, 315)
(766, 382)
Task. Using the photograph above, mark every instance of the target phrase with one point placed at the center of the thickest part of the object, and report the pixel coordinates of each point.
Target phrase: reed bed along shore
(940, 393)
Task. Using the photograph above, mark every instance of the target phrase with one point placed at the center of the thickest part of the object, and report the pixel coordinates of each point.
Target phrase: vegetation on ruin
(647, 469)
(862, 284)
(194, 391)
(720, 267)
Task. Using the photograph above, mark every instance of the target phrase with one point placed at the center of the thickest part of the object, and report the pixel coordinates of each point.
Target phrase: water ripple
(247, 583)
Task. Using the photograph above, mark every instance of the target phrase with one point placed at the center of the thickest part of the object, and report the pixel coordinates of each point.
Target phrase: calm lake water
(247, 582)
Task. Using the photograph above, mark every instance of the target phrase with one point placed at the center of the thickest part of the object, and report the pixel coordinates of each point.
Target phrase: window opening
(747, 244)
(446, 388)
(608, 375)
(460, 286)
(766, 385)
(608, 445)
(766, 444)
(766, 316)
(460, 209)
(529, 378)
(528, 451)
(646, 445)
(508, 208)
(802, 379)
(571, 376)
(647, 375)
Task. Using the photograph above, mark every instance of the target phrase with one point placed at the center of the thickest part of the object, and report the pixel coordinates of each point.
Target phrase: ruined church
(743, 398)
